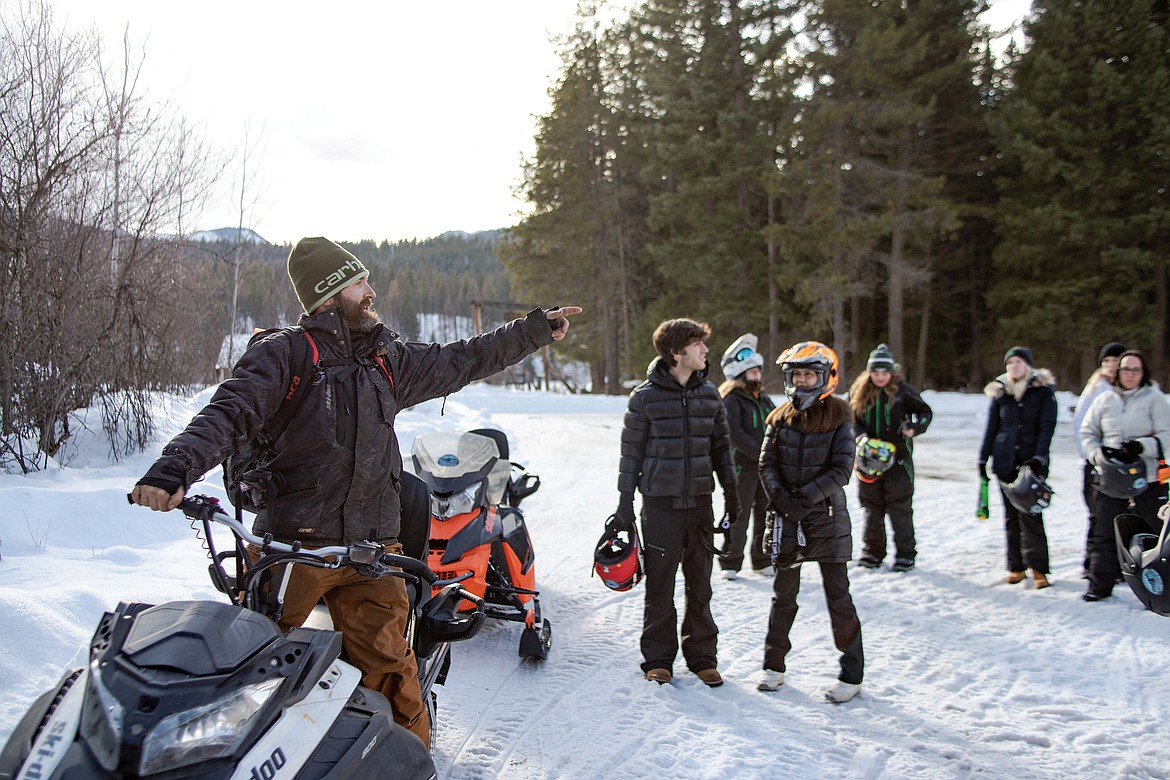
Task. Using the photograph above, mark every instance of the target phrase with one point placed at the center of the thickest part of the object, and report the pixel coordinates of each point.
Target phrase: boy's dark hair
(674, 336)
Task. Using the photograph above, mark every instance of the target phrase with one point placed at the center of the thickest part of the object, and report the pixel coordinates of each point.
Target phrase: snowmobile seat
(415, 531)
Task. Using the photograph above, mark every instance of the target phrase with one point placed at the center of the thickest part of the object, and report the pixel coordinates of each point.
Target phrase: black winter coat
(746, 415)
(675, 439)
(812, 469)
(339, 459)
(883, 419)
(1019, 430)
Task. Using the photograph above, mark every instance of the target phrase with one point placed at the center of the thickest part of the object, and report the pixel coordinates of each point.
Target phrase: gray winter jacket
(338, 462)
(1118, 416)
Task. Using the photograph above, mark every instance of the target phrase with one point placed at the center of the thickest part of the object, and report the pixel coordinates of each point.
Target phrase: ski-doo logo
(1153, 581)
(448, 460)
(270, 767)
(47, 752)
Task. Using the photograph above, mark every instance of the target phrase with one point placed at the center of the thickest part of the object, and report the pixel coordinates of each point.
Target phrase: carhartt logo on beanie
(319, 269)
(881, 359)
(1023, 353)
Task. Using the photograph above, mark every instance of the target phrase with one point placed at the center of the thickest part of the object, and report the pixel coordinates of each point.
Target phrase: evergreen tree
(1085, 212)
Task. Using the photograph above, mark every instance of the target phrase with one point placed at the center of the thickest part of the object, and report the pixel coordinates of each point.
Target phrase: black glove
(1038, 464)
(625, 509)
(1133, 449)
(1120, 455)
(807, 500)
(983, 471)
(730, 510)
(781, 502)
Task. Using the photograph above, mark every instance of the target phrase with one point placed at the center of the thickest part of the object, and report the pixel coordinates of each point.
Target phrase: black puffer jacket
(339, 459)
(1018, 430)
(745, 417)
(813, 468)
(675, 439)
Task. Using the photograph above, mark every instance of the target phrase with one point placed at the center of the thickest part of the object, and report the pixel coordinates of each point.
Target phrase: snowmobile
(205, 689)
(478, 535)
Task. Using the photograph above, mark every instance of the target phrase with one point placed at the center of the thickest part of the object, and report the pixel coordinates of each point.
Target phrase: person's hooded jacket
(675, 440)
(338, 462)
(746, 415)
(1021, 419)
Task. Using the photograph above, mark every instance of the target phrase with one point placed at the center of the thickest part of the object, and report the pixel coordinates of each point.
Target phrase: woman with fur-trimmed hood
(1020, 422)
(887, 409)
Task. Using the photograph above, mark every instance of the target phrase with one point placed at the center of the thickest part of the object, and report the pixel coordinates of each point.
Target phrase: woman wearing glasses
(1020, 422)
(1128, 425)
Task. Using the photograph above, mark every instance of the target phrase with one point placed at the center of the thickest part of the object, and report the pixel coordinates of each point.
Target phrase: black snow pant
(1027, 543)
(1088, 493)
(1104, 567)
(890, 494)
(753, 505)
(674, 537)
(842, 616)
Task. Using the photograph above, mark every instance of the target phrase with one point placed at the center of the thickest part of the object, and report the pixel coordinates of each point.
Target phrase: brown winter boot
(1041, 579)
(1014, 577)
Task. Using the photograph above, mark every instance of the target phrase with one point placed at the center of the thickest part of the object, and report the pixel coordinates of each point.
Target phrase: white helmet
(741, 356)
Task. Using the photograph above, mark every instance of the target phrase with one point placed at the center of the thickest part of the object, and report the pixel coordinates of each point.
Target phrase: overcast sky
(378, 120)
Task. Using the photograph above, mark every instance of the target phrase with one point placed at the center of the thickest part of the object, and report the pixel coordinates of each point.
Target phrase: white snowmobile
(202, 689)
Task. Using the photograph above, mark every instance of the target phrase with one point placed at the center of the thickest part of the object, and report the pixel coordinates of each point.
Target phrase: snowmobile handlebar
(363, 555)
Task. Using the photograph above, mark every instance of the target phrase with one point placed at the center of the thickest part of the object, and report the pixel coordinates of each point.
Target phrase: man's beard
(754, 386)
(358, 318)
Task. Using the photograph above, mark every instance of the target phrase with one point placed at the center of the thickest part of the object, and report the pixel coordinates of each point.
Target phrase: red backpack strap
(386, 371)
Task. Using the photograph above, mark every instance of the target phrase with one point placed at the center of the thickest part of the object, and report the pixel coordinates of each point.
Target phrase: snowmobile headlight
(202, 733)
(456, 504)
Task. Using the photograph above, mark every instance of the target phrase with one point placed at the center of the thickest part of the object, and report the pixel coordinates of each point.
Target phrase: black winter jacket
(813, 469)
(339, 459)
(675, 439)
(745, 418)
(1019, 430)
(883, 419)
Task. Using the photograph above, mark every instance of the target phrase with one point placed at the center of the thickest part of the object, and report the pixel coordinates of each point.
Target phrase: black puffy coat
(1018, 430)
(339, 459)
(812, 468)
(675, 439)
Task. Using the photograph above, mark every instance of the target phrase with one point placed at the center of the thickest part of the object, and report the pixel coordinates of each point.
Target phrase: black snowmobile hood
(197, 637)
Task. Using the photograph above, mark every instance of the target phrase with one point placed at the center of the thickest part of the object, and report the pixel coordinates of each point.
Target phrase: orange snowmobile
(478, 535)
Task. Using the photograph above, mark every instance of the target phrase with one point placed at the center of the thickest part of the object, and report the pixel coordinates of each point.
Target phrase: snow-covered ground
(965, 677)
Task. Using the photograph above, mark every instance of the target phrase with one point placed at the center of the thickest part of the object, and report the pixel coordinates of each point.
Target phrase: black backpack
(245, 476)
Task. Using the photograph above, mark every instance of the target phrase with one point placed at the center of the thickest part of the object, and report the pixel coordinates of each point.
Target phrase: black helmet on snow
(1145, 560)
(617, 559)
(1118, 479)
(1029, 493)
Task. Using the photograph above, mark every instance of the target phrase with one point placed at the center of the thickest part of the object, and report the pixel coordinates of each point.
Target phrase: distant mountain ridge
(231, 235)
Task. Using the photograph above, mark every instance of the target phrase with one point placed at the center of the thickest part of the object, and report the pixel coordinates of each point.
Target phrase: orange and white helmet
(812, 356)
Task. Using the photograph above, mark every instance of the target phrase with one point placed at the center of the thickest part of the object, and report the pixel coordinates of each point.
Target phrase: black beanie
(1023, 353)
(1112, 349)
(881, 359)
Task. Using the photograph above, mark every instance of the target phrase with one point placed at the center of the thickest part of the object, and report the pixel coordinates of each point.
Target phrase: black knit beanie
(319, 269)
(1023, 353)
(1112, 349)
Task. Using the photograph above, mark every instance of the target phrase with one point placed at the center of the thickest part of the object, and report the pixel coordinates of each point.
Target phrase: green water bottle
(981, 509)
